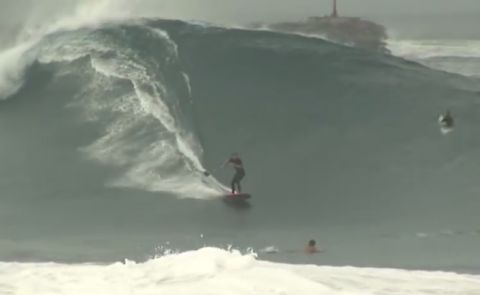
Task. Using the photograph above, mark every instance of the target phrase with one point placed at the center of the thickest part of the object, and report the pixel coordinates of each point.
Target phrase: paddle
(206, 173)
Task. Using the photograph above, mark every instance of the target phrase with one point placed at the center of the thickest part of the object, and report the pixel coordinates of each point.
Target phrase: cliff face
(347, 30)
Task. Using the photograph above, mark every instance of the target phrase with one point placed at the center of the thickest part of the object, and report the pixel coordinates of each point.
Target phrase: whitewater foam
(455, 56)
(435, 48)
(214, 271)
(16, 59)
(87, 13)
(150, 95)
(13, 63)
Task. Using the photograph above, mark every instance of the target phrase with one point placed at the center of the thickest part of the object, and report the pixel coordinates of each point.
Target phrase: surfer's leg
(239, 177)
(232, 185)
(236, 182)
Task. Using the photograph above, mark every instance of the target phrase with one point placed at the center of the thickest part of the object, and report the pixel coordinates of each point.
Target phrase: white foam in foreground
(212, 271)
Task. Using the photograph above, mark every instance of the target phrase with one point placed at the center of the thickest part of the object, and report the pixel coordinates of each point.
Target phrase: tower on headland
(334, 12)
(351, 31)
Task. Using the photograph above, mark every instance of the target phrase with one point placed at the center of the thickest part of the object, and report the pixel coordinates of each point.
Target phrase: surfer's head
(311, 248)
(235, 155)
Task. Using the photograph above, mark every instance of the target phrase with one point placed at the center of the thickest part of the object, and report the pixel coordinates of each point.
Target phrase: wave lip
(13, 64)
(15, 60)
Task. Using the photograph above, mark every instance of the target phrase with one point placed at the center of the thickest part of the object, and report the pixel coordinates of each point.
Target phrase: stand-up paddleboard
(237, 201)
(237, 197)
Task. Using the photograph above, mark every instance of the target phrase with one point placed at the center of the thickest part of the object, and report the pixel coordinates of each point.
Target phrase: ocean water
(108, 127)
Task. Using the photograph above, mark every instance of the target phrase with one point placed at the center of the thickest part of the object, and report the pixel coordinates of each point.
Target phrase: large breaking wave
(137, 96)
(161, 98)
(331, 136)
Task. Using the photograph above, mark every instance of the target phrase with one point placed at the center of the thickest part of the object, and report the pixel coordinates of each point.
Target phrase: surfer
(237, 164)
(446, 120)
(311, 247)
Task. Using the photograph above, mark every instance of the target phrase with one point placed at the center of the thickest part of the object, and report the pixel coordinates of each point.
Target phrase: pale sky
(451, 17)
(248, 10)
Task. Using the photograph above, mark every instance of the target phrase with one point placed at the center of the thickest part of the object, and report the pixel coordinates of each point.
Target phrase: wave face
(105, 127)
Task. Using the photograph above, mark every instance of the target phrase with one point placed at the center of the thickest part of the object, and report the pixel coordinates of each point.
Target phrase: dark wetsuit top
(237, 164)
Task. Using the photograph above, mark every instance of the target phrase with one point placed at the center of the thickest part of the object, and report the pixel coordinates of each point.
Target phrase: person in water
(446, 119)
(237, 164)
(311, 247)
